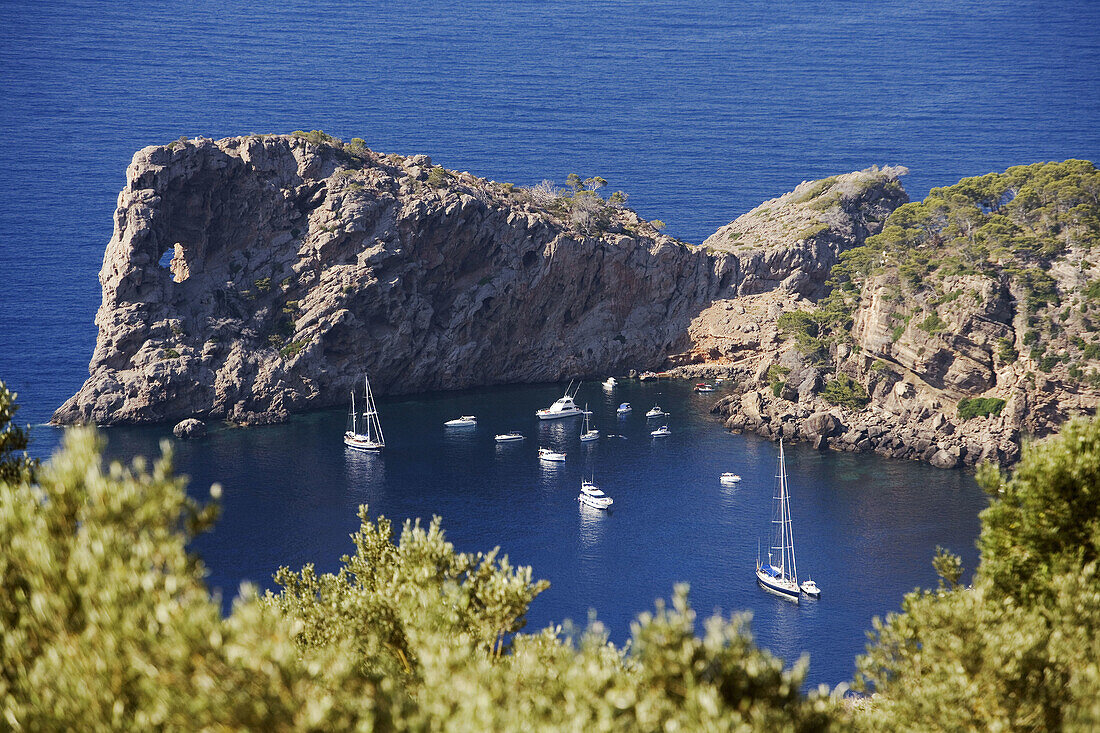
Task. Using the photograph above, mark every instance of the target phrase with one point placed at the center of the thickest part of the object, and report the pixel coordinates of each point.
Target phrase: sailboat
(587, 433)
(371, 439)
(780, 574)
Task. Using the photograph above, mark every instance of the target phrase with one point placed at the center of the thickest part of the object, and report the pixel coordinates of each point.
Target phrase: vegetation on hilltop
(940, 259)
(105, 619)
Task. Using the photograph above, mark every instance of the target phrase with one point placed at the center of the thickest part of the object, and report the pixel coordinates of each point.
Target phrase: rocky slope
(299, 263)
(251, 277)
(969, 324)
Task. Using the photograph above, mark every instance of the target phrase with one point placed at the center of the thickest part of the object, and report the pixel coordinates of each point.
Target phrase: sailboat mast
(788, 533)
(354, 422)
(374, 427)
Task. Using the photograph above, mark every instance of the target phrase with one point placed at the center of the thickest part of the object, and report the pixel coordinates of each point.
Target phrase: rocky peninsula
(252, 277)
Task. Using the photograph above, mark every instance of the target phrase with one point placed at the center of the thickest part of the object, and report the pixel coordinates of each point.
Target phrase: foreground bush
(106, 624)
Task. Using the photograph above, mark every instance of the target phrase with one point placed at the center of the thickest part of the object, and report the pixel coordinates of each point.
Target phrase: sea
(698, 111)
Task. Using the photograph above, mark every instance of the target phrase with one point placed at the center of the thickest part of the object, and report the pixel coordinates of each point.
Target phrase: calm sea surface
(698, 110)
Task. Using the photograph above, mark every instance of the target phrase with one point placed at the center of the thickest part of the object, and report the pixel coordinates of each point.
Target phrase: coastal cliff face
(253, 277)
(299, 263)
(970, 323)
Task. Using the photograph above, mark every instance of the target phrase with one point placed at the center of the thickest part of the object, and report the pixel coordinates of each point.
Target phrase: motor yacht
(730, 479)
(564, 406)
(509, 437)
(465, 421)
(546, 454)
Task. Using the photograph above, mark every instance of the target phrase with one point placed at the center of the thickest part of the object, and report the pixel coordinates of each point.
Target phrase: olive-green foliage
(169, 354)
(980, 407)
(293, 348)
(106, 624)
(777, 375)
(437, 177)
(1020, 649)
(1010, 225)
(14, 463)
(846, 392)
(932, 324)
(317, 137)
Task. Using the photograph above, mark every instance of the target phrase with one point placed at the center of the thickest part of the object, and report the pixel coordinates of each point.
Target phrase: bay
(865, 527)
(698, 110)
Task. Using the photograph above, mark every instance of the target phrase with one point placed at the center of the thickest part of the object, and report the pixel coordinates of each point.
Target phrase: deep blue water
(865, 528)
(698, 110)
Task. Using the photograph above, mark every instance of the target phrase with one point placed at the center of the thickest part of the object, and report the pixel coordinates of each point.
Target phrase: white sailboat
(587, 433)
(371, 439)
(780, 574)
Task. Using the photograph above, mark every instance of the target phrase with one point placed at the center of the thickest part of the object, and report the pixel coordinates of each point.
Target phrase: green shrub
(980, 407)
(1007, 350)
(811, 231)
(437, 177)
(846, 392)
(169, 354)
(317, 137)
(932, 324)
(293, 348)
(263, 284)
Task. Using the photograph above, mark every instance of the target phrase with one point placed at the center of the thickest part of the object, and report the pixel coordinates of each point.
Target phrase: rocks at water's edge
(189, 429)
(253, 277)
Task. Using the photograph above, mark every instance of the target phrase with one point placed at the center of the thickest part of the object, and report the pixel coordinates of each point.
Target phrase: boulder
(823, 424)
(189, 429)
(944, 459)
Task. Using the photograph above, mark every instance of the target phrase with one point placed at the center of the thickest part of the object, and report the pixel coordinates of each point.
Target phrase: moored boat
(661, 432)
(372, 439)
(780, 574)
(593, 496)
(609, 383)
(564, 406)
(624, 408)
(553, 456)
(704, 387)
(508, 437)
(588, 434)
(465, 421)
(656, 411)
(729, 479)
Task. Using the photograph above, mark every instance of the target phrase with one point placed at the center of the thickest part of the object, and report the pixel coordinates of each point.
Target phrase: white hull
(730, 479)
(595, 502)
(509, 438)
(590, 436)
(362, 442)
(554, 415)
(781, 587)
(661, 433)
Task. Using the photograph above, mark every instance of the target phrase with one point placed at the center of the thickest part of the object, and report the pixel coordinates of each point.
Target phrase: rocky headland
(252, 277)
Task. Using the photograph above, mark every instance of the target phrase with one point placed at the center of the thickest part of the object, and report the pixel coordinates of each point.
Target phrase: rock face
(252, 277)
(967, 326)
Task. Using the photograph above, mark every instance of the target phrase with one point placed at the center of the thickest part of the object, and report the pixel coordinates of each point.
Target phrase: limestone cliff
(252, 277)
(299, 263)
(966, 326)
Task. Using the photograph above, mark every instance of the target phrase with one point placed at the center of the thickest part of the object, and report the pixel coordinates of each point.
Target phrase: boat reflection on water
(591, 530)
(365, 473)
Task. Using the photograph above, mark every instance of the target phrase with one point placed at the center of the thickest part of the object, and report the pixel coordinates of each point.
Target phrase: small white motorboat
(509, 437)
(704, 387)
(624, 408)
(466, 421)
(546, 454)
(661, 432)
(810, 588)
(656, 412)
(646, 376)
(591, 495)
(562, 407)
(730, 479)
(609, 383)
(588, 434)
